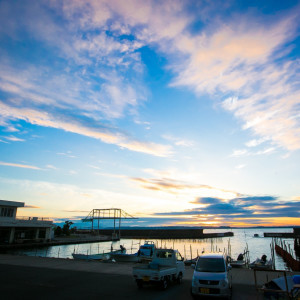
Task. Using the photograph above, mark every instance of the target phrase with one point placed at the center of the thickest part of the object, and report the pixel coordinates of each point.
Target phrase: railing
(33, 218)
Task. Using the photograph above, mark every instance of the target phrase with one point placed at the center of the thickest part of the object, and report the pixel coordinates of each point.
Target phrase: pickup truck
(167, 265)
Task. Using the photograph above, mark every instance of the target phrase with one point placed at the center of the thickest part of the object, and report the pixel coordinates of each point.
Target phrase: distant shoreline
(187, 227)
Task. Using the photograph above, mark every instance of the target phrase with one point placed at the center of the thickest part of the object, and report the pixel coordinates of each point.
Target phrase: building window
(7, 212)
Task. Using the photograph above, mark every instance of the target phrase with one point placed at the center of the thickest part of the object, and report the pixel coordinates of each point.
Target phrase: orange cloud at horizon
(242, 222)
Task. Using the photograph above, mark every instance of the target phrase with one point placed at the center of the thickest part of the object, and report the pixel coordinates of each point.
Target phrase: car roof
(212, 255)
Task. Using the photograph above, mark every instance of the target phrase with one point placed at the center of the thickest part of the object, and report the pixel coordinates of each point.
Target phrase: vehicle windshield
(213, 265)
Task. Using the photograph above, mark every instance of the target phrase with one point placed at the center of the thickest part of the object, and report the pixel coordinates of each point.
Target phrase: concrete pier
(79, 239)
(25, 277)
(165, 233)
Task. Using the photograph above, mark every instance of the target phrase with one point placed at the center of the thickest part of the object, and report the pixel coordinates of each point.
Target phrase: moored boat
(124, 257)
(144, 253)
(240, 262)
(98, 256)
(103, 256)
(262, 263)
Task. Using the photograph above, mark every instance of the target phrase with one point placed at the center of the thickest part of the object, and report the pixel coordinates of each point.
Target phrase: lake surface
(242, 239)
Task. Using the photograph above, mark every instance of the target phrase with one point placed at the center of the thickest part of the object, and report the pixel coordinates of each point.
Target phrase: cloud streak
(173, 186)
(2, 163)
(104, 133)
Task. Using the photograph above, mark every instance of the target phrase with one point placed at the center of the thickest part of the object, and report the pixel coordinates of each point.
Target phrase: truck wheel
(179, 278)
(139, 283)
(164, 283)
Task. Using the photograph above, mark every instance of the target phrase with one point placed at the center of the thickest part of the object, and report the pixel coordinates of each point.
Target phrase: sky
(180, 113)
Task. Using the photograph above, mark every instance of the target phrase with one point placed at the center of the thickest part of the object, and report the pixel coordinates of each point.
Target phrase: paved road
(21, 282)
(41, 278)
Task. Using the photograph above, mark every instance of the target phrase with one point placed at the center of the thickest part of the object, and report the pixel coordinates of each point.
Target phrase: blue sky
(178, 112)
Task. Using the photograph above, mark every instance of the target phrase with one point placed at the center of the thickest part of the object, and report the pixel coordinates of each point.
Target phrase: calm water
(242, 238)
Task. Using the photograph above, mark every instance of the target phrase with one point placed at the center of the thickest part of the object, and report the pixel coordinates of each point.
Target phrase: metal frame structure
(108, 214)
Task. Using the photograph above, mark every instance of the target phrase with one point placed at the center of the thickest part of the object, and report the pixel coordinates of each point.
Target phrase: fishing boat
(240, 262)
(102, 256)
(144, 253)
(99, 256)
(262, 263)
(124, 257)
(146, 250)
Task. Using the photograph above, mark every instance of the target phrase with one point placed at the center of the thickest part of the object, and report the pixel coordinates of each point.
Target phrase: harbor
(254, 258)
(48, 278)
(189, 248)
(90, 264)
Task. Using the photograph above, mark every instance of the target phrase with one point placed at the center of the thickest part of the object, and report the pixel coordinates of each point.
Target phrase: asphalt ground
(21, 282)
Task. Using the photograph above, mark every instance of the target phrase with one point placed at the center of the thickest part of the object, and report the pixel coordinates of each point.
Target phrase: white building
(15, 229)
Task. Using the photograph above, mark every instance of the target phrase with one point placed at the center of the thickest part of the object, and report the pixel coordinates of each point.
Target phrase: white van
(211, 276)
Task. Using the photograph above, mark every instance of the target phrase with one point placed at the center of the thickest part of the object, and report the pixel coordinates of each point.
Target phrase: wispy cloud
(14, 139)
(18, 165)
(241, 152)
(179, 141)
(245, 152)
(171, 185)
(106, 134)
(31, 206)
(256, 142)
(51, 167)
(67, 154)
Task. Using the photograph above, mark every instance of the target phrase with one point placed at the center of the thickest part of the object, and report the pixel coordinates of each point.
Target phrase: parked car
(167, 265)
(212, 276)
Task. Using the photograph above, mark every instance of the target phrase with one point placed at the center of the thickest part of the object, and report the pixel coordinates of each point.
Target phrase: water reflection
(189, 248)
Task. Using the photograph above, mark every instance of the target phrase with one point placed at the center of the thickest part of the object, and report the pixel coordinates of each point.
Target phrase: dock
(65, 240)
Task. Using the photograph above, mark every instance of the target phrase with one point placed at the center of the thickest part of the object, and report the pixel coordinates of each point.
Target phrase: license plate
(146, 278)
(204, 291)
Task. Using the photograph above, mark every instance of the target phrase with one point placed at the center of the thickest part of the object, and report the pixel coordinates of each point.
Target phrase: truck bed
(151, 271)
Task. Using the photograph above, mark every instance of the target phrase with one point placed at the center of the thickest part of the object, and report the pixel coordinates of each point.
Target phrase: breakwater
(287, 235)
(58, 241)
(160, 233)
(104, 235)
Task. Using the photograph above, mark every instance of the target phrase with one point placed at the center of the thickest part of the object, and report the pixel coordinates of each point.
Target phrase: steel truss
(115, 214)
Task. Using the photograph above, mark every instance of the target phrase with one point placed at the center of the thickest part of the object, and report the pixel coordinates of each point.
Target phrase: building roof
(11, 203)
